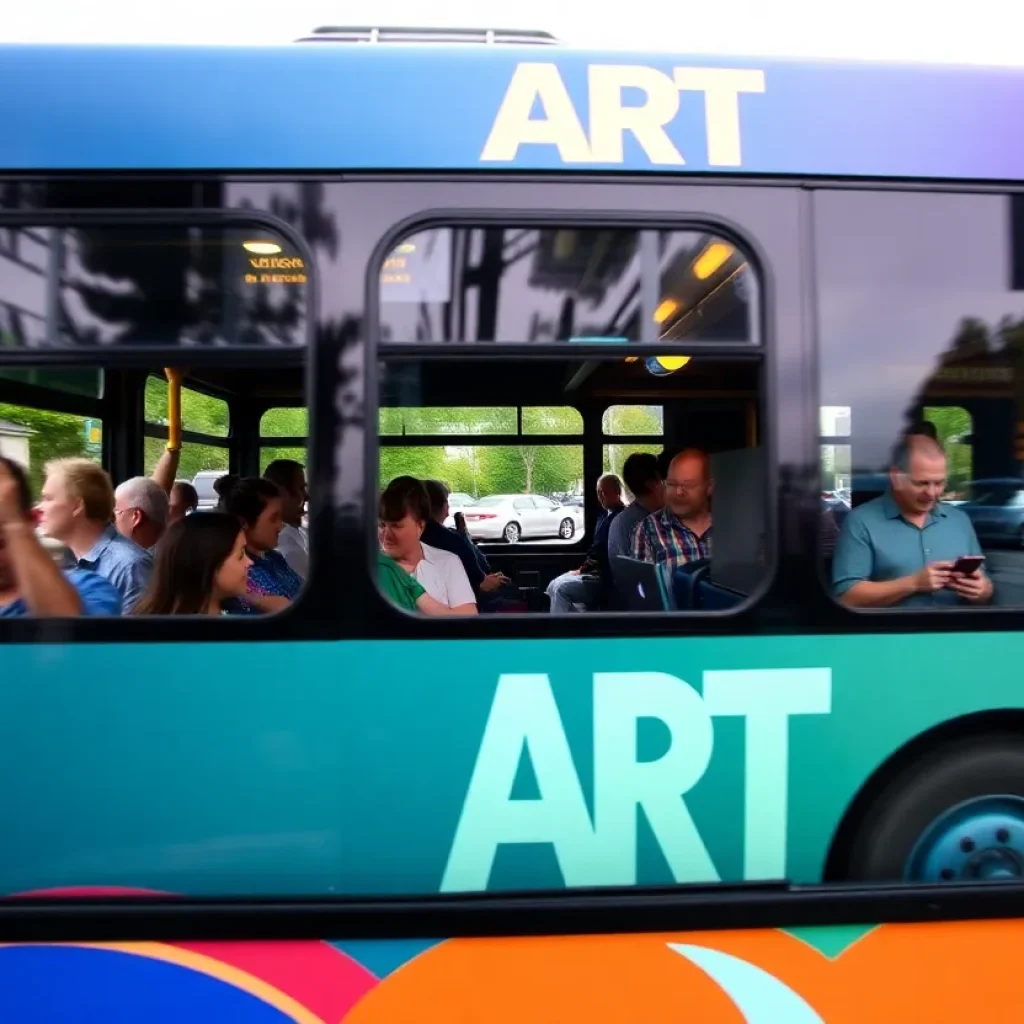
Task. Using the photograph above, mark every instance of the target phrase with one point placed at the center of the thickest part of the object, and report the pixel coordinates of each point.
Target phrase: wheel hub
(979, 840)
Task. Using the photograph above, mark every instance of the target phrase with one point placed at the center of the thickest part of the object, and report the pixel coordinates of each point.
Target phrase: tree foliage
(57, 435)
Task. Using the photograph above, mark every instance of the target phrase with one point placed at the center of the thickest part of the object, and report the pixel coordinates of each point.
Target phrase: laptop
(642, 585)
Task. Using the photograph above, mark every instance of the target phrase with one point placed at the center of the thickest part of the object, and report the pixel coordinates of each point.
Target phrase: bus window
(921, 347)
(627, 422)
(208, 423)
(565, 284)
(140, 286)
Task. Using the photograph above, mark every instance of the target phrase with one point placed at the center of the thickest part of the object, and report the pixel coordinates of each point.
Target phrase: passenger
(681, 531)
(406, 591)
(30, 581)
(256, 503)
(141, 509)
(647, 485)
(293, 544)
(485, 585)
(184, 501)
(76, 508)
(899, 549)
(586, 587)
(404, 514)
(200, 566)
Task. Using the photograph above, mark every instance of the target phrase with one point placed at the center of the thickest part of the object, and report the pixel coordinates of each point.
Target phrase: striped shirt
(663, 539)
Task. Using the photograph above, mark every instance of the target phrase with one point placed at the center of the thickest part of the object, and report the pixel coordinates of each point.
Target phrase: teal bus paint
(345, 748)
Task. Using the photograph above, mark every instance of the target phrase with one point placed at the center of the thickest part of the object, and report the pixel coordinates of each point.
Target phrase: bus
(509, 270)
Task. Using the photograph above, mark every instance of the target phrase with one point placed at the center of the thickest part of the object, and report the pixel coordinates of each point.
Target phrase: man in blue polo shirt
(30, 581)
(899, 550)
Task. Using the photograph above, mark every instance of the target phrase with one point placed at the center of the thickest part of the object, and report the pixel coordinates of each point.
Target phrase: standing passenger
(76, 508)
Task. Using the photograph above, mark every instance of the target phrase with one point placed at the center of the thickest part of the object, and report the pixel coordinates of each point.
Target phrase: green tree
(57, 435)
(630, 421)
(953, 425)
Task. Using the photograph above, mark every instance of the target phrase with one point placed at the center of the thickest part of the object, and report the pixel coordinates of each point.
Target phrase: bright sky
(982, 31)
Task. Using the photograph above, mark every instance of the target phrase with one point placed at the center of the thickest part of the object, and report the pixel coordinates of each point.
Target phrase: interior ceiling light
(711, 259)
(666, 308)
(262, 248)
(662, 366)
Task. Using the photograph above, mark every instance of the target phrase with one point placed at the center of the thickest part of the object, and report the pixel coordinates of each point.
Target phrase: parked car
(515, 517)
(203, 482)
(996, 510)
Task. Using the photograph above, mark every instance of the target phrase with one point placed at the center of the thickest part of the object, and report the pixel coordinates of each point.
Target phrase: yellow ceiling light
(666, 308)
(711, 259)
(262, 248)
(632, 359)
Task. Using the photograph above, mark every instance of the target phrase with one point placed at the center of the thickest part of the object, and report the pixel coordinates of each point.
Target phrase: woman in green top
(405, 590)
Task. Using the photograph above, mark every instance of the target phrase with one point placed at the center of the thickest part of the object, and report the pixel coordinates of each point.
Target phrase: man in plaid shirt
(681, 531)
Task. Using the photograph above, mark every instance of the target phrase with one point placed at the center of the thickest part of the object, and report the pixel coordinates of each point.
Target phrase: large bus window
(921, 313)
(564, 284)
(507, 506)
(140, 286)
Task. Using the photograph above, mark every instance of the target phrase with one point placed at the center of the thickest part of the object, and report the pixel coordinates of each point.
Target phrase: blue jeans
(572, 592)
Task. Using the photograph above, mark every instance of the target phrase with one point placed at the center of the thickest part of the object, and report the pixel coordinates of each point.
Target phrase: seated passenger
(30, 581)
(437, 535)
(256, 503)
(184, 501)
(899, 549)
(141, 508)
(293, 544)
(681, 531)
(585, 588)
(76, 508)
(200, 566)
(404, 514)
(645, 482)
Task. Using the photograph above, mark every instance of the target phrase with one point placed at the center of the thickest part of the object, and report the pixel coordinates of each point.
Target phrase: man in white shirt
(293, 541)
(443, 577)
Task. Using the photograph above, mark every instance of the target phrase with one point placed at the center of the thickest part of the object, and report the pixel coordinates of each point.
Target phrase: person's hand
(933, 577)
(11, 510)
(972, 588)
(493, 581)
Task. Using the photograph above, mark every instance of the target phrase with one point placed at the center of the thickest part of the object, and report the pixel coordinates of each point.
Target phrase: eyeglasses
(683, 485)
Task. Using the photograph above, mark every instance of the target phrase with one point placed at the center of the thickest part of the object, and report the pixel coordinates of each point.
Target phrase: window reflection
(508, 284)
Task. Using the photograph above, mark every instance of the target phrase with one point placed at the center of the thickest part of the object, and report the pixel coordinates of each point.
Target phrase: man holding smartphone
(907, 549)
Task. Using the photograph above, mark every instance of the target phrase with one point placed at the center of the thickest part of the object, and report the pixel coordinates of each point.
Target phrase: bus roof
(465, 108)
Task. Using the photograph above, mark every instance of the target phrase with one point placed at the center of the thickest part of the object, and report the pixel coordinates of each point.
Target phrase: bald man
(899, 550)
(681, 531)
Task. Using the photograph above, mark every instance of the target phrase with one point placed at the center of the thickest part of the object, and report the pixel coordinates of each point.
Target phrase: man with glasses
(681, 531)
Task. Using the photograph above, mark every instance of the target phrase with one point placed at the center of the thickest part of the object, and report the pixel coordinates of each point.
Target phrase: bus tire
(947, 816)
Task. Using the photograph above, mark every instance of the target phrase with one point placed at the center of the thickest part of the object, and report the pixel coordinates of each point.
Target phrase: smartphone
(968, 564)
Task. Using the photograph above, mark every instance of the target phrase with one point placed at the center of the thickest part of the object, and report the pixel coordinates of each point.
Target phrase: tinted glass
(921, 318)
(563, 284)
(144, 286)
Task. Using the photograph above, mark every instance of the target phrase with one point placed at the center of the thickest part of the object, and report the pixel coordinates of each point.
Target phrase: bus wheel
(957, 815)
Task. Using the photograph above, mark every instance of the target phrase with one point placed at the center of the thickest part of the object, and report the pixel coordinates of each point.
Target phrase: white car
(515, 517)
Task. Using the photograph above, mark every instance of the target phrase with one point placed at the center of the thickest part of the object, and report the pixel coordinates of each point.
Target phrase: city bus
(510, 269)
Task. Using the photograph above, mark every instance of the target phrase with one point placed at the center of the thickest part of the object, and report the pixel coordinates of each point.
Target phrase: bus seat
(685, 579)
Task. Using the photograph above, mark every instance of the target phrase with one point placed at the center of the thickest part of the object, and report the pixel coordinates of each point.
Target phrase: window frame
(299, 622)
(761, 348)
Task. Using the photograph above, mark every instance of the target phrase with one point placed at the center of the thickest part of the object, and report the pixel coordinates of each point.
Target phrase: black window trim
(761, 351)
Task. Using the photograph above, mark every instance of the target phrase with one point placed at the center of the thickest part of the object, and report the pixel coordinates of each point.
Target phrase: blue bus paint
(434, 108)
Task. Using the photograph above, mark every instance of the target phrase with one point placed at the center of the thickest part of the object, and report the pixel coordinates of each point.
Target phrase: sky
(981, 32)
